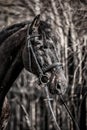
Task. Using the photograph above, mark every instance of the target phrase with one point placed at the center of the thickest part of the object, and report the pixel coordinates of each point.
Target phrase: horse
(33, 46)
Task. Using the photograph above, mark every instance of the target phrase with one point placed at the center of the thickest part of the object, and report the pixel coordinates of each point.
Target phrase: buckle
(44, 79)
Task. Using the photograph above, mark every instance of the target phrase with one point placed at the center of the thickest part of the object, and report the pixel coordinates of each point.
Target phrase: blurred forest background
(69, 19)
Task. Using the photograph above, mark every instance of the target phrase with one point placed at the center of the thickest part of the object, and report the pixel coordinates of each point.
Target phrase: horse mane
(8, 31)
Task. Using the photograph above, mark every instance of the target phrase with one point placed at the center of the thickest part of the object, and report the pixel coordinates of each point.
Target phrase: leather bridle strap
(34, 56)
(67, 109)
(54, 65)
(41, 71)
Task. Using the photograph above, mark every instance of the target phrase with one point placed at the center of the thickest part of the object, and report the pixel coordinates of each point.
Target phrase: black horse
(34, 47)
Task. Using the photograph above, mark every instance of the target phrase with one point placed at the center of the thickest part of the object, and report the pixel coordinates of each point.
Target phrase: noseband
(41, 71)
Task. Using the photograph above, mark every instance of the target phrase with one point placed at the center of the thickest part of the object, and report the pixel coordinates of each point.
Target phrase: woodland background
(69, 19)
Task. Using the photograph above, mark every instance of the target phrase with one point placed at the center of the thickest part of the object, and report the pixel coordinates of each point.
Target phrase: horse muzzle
(58, 83)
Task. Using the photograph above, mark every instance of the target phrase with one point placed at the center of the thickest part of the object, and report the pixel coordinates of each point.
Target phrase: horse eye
(45, 46)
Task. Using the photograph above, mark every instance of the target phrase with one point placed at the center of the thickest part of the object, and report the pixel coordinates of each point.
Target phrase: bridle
(43, 78)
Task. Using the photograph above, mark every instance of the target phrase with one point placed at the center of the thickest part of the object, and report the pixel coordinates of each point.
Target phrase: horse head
(43, 56)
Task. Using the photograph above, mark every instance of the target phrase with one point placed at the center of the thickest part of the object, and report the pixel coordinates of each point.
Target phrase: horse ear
(35, 24)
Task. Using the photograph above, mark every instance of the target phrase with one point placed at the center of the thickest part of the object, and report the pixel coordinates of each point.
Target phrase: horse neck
(11, 61)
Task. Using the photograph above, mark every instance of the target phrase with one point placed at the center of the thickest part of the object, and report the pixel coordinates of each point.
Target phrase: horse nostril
(58, 89)
(58, 86)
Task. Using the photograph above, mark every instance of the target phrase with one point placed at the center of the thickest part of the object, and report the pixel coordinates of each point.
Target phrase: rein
(43, 78)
